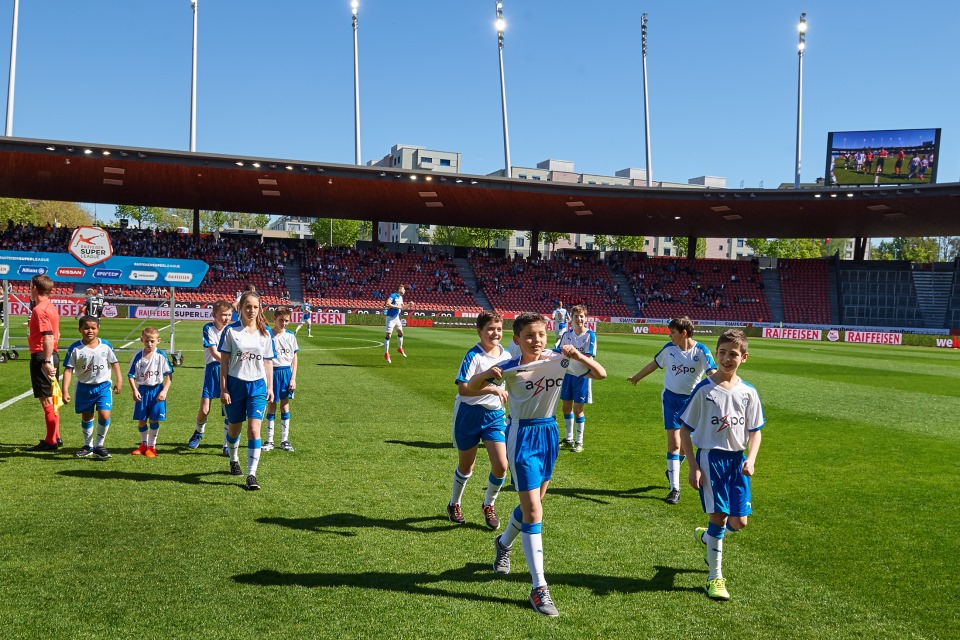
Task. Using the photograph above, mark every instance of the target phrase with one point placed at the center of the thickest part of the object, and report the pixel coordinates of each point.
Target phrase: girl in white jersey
(684, 362)
(246, 380)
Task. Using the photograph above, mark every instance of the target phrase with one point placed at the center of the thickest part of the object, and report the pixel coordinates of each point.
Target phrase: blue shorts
(281, 383)
(561, 327)
(576, 388)
(211, 380)
(473, 423)
(673, 406)
(149, 408)
(724, 488)
(90, 397)
(247, 398)
(532, 447)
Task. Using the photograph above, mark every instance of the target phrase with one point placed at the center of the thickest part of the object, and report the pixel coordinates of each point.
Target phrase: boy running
(211, 370)
(576, 391)
(284, 379)
(533, 383)
(723, 418)
(478, 416)
(150, 374)
(684, 361)
(392, 312)
(94, 361)
(306, 318)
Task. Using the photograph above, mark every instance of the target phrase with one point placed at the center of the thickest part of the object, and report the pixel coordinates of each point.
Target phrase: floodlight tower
(193, 83)
(501, 26)
(646, 103)
(355, 6)
(800, 47)
(12, 81)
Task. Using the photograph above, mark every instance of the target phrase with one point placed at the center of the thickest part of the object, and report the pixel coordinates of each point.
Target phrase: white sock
(533, 550)
(152, 434)
(201, 426)
(386, 346)
(234, 447)
(285, 427)
(568, 422)
(400, 342)
(714, 555)
(513, 529)
(581, 427)
(87, 428)
(494, 484)
(673, 472)
(102, 428)
(226, 433)
(253, 456)
(459, 484)
(271, 417)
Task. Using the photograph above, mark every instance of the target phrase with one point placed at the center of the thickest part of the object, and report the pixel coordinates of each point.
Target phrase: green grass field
(854, 533)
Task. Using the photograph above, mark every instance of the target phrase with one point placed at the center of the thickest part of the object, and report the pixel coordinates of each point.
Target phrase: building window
(666, 251)
(589, 246)
(426, 159)
(646, 242)
(444, 163)
(536, 177)
(740, 242)
(523, 176)
(720, 248)
(519, 241)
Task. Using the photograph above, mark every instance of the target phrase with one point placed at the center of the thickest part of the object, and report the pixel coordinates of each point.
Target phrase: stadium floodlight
(355, 6)
(193, 82)
(646, 103)
(12, 78)
(802, 27)
(501, 26)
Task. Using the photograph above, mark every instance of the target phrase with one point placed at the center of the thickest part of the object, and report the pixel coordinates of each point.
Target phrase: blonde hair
(150, 331)
(579, 308)
(282, 311)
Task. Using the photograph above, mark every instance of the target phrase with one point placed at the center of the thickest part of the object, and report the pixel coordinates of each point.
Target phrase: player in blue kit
(533, 382)
(723, 418)
(392, 311)
(246, 381)
(211, 370)
(306, 318)
(93, 360)
(478, 416)
(284, 379)
(150, 376)
(560, 318)
(684, 362)
(577, 391)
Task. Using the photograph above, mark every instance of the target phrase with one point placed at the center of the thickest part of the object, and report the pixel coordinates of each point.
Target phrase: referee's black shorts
(42, 385)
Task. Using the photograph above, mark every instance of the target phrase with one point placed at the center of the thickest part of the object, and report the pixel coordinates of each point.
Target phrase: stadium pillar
(859, 248)
(196, 223)
(535, 243)
(375, 232)
(691, 247)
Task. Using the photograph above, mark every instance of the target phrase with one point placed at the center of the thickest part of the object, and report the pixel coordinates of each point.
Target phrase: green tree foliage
(261, 220)
(139, 214)
(919, 250)
(680, 245)
(620, 243)
(480, 237)
(210, 221)
(833, 247)
(346, 233)
(549, 237)
(43, 212)
(786, 247)
(18, 211)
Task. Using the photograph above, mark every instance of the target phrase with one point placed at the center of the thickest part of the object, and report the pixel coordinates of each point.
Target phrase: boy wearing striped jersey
(391, 312)
(533, 382)
(150, 374)
(284, 379)
(93, 361)
(684, 362)
(722, 419)
(577, 391)
(478, 416)
(211, 370)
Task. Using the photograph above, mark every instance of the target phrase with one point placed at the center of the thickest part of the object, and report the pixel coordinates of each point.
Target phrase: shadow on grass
(335, 523)
(345, 364)
(421, 444)
(664, 579)
(596, 495)
(20, 451)
(186, 478)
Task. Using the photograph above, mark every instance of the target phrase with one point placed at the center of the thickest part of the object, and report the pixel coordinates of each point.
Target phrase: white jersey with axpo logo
(91, 365)
(721, 418)
(247, 351)
(477, 361)
(148, 371)
(286, 346)
(682, 370)
(585, 343)
(534, 388)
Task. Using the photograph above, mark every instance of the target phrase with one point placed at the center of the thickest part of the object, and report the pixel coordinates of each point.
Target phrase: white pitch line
(17, 399)
(124, 346)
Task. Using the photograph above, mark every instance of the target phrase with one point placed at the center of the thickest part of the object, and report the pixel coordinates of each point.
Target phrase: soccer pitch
(854, 532)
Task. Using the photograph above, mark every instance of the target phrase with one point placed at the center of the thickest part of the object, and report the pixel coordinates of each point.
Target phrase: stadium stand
(805, 285)
(704, 288)
(878, 293)
(518, 284)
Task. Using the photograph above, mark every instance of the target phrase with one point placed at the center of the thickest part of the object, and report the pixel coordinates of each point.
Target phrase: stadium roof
(110, 174)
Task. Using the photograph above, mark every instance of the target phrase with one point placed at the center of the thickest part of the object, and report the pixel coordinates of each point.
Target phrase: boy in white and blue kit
(577, 391)
(478, 416)
(306, 318)
(211, 371)
(284, 379)
(684, 362)
(723, 418)
(560, 318)
(150, 376)
(392, 314)
(246, 381)
(93, 361)
(533, 383)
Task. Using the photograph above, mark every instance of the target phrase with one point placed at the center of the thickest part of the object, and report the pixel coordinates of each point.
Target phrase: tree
(833, 247)
(480, 237)
(786, 247)
(211, 221)
(912, 249)
(680, 245)
(261, 220)
(140, 214)
(621, 243)
(346, 233)
(18, 211)
(66, 214)
(549, 237)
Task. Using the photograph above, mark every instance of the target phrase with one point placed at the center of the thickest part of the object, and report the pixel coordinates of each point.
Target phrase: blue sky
(276, 79)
